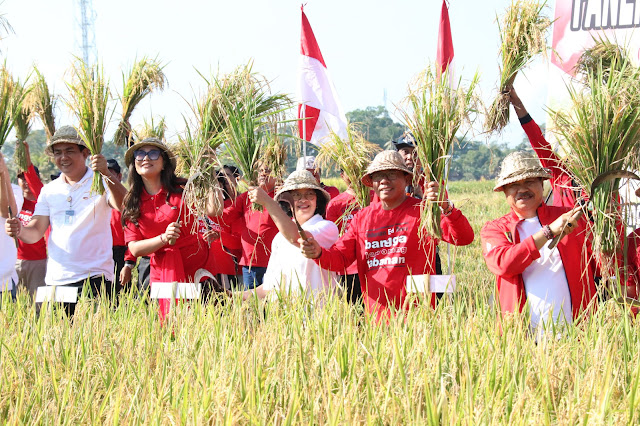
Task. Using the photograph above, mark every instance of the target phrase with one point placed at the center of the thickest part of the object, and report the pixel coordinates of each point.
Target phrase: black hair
(233, 169)
(131, 203)
(321, 205)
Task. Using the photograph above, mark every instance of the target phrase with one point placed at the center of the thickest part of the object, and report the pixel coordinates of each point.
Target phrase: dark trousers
(118, 259)
(253, 276)
(144, 270)
(94, 286)
(351, 284)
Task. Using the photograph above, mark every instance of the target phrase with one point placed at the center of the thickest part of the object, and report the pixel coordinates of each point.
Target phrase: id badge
(68, 216)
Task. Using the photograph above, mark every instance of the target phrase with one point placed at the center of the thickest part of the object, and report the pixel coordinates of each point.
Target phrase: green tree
(377, 125)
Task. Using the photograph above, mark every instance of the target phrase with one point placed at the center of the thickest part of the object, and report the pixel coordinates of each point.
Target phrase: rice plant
(151, 129)
(435, 112)
(43, 103)
(605, 54)
(8, 104)
(601, 133)
(144, 77)
(89, 101)
(22, 123)
(274, 155)
(352, 156)
(523, 37)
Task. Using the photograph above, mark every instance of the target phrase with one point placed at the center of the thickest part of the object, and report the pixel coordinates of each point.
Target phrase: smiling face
(265, 180)
(389, 186)
(408, 154)
(149, 162)
(24, 186)
(305, 203)
(70, 158)
(524, 196)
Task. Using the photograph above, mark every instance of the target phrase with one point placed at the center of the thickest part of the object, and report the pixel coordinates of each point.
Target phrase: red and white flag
(319, 104)
(444, 57)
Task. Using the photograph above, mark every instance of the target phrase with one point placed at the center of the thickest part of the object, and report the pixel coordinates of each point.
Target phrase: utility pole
(86, 21)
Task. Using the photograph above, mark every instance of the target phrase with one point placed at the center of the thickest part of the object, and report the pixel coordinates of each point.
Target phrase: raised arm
(284, 223)
(116, 189)
(7, 200)
(30, 175)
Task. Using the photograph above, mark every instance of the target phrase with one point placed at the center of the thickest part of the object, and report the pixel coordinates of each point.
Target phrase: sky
(369, 47)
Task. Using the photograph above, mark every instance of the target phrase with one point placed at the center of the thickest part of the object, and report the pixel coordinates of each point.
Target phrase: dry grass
(43, 103)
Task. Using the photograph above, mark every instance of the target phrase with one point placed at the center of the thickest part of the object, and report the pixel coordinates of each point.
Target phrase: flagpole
(303, 115)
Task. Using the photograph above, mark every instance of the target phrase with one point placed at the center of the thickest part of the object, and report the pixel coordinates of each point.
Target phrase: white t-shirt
(80, 242)
(8, 250)
(545, 282)
(289, 271)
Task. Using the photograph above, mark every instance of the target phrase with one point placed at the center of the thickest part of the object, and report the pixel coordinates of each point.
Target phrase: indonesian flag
(319, 105)
(444, 57)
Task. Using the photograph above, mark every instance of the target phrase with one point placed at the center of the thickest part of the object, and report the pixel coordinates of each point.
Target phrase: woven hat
(65, 134)
(385, 160)
(301, 179)
(306, 163)
(128, 156)
(520, 165)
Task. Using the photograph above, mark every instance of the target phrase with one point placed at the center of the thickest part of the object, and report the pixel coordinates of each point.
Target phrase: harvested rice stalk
(601, 134)
(144, 77)
(523, 36)
(248, 114)
(89, 91)
(22, 123)
(434, 113)
(151, 129)
(274, 156)
(352, 156)
(603, 54)
(43, 102)
(7, 104)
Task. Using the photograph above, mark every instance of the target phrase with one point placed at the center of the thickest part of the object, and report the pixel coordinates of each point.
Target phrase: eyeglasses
(153, 155)
(297, 196)
(379, 176)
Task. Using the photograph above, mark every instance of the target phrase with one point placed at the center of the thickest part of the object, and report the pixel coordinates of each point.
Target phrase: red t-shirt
(257, 233)
(386, 247)
(38, 250)
(332, 190)
(117, 230)
(170, 263)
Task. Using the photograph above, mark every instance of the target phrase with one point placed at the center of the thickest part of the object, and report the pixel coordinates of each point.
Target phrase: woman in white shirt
(288, 271)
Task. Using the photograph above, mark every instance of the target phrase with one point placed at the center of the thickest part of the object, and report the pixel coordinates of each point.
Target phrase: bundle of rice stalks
(523, 36)
(435, 112)
(351, 155)
(22, 123)
(144, 77)
(601, 134)
(7, 105)
(89, 91)
(603, 54)
(274, 155)
(151, 129)
(43, 102)
(248, 115)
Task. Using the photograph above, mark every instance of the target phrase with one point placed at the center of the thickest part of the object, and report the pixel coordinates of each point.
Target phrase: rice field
(285, 362)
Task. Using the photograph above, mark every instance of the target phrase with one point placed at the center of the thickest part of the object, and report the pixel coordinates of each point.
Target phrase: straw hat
(65, 134)
(385, 160)
(301, 179)
(520, 165)
(128, 156)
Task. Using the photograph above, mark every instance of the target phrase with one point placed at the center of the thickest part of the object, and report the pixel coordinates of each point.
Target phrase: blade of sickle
(599, 180)
(287, 197)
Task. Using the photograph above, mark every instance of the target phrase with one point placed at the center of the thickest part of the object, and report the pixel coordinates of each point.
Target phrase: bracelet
(546, 230)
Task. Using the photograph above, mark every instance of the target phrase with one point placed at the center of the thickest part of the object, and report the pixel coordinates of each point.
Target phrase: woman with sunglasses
(288, 271)
(155, 223)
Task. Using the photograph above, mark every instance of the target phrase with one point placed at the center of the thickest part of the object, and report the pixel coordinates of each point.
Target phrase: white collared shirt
(80, 242)
(290, 272)
(8, 250)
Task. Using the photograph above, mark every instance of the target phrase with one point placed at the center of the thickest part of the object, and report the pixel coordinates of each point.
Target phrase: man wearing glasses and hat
(383, 237)
(79, 246)
(557, 283)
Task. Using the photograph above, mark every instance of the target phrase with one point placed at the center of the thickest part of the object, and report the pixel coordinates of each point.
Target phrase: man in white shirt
(79, 245)
(10, 203)
(557, 283)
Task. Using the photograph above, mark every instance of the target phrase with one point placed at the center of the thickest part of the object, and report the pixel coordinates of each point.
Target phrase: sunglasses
(153, 155)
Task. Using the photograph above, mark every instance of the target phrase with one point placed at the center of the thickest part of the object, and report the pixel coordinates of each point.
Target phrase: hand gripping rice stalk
(523, 36)
(600, 134)
(22, 123)
(89, 99)
(145, 76)
(351, 155)
(434, 113)
(42, 102)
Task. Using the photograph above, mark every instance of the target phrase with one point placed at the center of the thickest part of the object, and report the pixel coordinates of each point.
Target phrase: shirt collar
(88, 174)
(145, 196)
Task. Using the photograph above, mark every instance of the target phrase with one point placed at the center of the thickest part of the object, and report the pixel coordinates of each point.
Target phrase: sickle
(287, 197)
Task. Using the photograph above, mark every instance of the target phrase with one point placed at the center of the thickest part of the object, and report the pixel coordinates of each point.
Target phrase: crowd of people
(306, 240)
